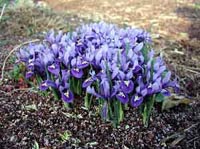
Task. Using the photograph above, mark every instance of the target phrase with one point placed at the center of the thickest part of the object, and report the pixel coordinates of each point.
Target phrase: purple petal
(83, 64)
(156, 86)
(151, 54)
(136, 101)
(136, 66)
(159, 72)
(98, 56)
(149, 89)
(31, 66)
(87, 82)
(76, 72)
(156, 66)
(174, 85)
(122, 97)
(144, 92)
(129, 75)
(55, 48)
(67, 96)
(65, 75)
(54, 69)
(91, 90)
(127, 86)
(29, 74)
(105, 111)
(167, 77)
(115, 73)
(139, 47)
(44, 86)
(105, 88)
(165, 92)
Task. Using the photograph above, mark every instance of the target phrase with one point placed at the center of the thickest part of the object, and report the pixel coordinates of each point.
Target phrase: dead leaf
(173, 140)
(177, 140)
(174, 101)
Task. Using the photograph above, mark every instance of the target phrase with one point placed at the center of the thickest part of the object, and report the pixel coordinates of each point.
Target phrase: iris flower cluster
(108, 62)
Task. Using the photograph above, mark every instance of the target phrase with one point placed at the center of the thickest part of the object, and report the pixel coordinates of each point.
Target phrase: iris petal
(54, 69)
(127, 86)
(76, 72)
(136, 101)
(122, 97)
(87, 82)
(67, 96)
(29, 74)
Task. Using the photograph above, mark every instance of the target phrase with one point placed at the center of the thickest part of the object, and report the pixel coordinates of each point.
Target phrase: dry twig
(2, 11)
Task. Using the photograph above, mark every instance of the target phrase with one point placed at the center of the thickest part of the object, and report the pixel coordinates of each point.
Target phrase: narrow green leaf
(86, 101)
(35, 145)
(145, 51)
(121, 112)
(55, 93)
(147, 110)
(159, 97)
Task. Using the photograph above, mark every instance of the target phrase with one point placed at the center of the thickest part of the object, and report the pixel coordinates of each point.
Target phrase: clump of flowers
(99, 61)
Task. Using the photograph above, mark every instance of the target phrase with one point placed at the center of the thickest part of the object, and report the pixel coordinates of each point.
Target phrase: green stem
(121, 112)
(86, 101)
(148, 110)
(55, 93)
(66, 105)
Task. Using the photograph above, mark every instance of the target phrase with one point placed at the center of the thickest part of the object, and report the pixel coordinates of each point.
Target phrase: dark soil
(26, 116)
(20, 126)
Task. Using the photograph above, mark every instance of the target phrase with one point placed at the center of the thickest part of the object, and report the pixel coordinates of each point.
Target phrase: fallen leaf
(30, 107)
(174, 101)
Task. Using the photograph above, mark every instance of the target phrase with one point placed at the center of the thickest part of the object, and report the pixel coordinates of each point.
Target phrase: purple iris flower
(50, 36)
(29, 74)
(136, 66)
(65, 75)
(87, 82)
(159, 72)
(138, 47)
(82, 63)
(54, 69)
(23, 55)
(136, 100)
(127, 86)
(166, 78)
(46, 84)
(76, 72)
(105, 88)
(122, 97)
(31, 66)
(92, 91)
(67, 95)
(55, 48)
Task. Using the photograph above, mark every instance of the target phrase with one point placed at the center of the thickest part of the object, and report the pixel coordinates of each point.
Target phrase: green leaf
(159, 97)
(148, 106)
(35, 145)
(86, 101)
(91, 143)
(121, 112)
(65, 136)
(55, 93)
(145, 51)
